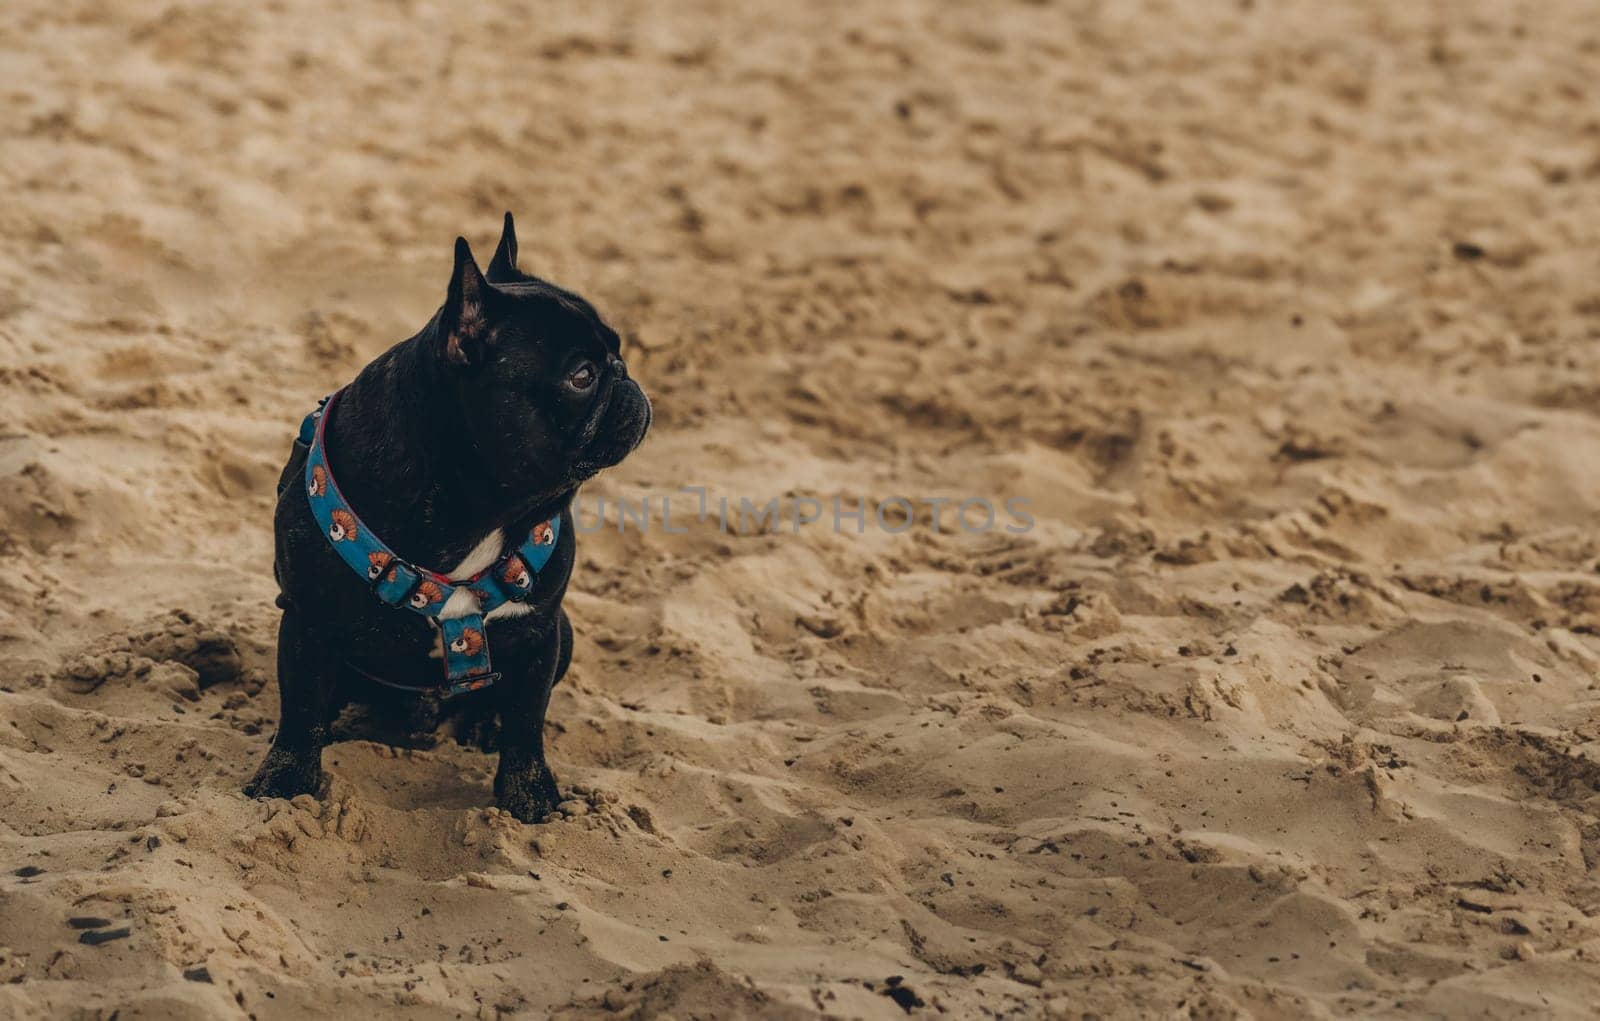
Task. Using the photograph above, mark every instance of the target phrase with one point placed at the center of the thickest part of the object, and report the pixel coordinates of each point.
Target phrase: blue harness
(397, 583)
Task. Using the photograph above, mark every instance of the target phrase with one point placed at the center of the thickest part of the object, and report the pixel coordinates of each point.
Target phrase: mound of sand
(1281, 316)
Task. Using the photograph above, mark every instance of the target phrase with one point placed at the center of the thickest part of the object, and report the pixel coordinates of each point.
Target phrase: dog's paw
(528, 798)
(285, 776)
(526, 806)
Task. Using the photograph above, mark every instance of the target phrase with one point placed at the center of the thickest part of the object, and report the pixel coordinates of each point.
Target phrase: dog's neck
(402, 460)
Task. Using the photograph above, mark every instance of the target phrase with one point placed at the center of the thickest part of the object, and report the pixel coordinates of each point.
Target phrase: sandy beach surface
(1282, 316)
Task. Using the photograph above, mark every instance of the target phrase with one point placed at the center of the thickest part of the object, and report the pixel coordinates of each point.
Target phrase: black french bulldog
(454, 442)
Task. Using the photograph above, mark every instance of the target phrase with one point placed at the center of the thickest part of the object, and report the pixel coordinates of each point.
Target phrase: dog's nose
(618, 366)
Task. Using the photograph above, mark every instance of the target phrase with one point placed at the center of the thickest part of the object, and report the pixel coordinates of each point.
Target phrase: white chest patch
(463, 603)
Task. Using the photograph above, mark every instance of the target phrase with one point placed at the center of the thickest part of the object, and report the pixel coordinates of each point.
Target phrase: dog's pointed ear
(503, 266)
(464, 320)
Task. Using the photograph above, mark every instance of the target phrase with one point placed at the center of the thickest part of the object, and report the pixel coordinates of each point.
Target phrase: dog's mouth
(619, 427)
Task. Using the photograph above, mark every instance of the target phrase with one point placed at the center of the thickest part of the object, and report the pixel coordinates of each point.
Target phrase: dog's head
(543, 394)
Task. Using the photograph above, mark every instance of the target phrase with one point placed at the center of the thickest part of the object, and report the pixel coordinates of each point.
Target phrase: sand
(1282, 317)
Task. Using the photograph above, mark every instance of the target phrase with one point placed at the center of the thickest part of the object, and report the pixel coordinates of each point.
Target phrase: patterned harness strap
(407, 586)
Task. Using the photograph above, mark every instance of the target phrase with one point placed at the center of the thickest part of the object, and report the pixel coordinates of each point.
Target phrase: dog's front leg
(524, 785)
(307, 672)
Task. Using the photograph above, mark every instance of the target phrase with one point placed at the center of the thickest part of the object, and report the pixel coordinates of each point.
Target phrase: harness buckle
(400, 574)
(466, 685)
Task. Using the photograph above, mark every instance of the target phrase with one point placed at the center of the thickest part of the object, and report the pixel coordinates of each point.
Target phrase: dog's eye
(582, 377)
